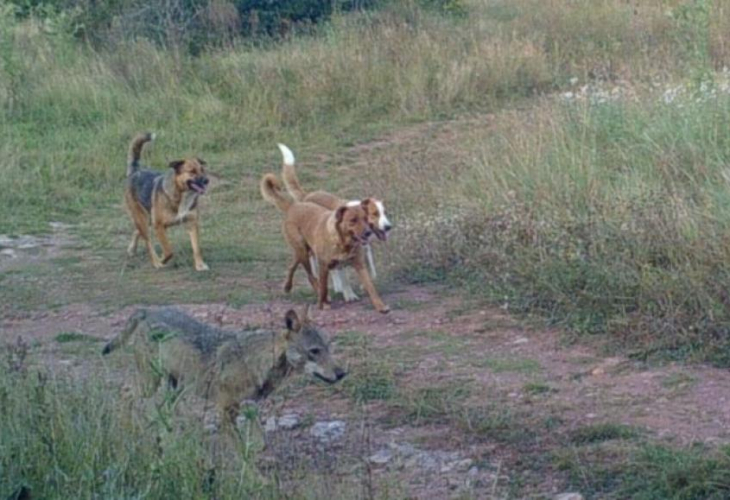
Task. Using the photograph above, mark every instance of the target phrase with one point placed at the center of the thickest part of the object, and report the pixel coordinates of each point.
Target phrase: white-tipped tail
(288, 155)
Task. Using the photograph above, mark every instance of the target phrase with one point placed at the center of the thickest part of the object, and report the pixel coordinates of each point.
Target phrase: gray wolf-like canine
(375, 213)
(223, 367)
(164, 199)
(334, 237)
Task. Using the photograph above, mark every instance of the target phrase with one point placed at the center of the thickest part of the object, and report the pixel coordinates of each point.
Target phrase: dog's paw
(384, 310)
(157, 264)
(202, 266)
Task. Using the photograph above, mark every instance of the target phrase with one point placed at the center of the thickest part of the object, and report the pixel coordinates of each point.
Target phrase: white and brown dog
(376, 218)
(334, 237)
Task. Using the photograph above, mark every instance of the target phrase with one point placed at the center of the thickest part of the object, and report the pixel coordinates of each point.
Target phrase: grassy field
(565, 160)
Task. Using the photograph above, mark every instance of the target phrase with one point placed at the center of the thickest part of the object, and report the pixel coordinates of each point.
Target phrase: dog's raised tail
(289, 174)
(271, 191)
(124, 335)
(135, 150)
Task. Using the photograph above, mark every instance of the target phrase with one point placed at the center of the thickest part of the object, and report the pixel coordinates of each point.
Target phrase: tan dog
(333, 236)
(378, 221)
(164, 200)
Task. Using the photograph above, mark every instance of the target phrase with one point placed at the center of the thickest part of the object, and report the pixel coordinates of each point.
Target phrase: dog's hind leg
(290, 275)
(313, 262)
(371, 262)
(310, 275)
(300, 257)
(140, 219)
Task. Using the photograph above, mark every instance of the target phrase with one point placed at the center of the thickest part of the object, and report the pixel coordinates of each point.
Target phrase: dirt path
(435, 358)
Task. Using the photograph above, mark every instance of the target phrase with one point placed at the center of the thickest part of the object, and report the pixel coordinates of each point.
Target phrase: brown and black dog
(333, 236)
(164, 199)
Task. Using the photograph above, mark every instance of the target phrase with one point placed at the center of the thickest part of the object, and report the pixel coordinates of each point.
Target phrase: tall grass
(611, 216)
(67, 438)
(68, 110)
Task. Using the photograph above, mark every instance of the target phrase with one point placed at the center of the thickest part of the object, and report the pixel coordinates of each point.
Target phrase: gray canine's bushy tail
(124, 335)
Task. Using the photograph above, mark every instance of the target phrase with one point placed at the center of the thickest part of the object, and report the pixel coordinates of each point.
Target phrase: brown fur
(172, 201)
(325, 199)
(333, 236)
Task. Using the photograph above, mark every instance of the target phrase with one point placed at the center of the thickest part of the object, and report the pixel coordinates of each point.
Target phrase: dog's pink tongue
(198, 188)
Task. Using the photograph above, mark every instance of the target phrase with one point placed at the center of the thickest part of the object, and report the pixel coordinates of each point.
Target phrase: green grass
(647, 472)
(599, 433)
(60, 435)
(67, 337)
(537, 388)
(431, 405)
(606, 217)
(512, 365)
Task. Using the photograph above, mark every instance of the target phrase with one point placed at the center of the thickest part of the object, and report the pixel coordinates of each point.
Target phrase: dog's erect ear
(305, 314)
(176, 165)
(364, 203)
(340, 213)
(292, 322)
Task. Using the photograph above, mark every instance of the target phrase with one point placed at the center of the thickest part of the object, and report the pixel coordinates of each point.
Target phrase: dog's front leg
(132, 248)
(323, 300)
(347, 291)
(192, 227)
(371, 262)
(367, 284)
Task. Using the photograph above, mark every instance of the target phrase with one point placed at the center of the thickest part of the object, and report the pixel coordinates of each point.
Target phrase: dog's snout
(340, 373)
(205, 181)
(387, 227)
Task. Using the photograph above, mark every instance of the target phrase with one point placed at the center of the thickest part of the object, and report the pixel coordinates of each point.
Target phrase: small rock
(598, 371)
(521, 340)
(568, 496)
(591, 415)
(288, 421)
(473, 471)
(8, 252)
(381, 457)
(463, 465)
(327, 432)
(405, 450)
(270, 425)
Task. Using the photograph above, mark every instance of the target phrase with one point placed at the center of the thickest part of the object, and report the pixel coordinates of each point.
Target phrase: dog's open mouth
(322, 377)
(381, 235)
(198, 185)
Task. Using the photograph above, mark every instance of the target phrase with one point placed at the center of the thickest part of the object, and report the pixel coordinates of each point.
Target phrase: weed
(598, 433)
(66, 337)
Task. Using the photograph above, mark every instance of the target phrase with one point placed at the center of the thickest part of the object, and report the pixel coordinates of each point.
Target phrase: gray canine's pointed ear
(293, 324)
